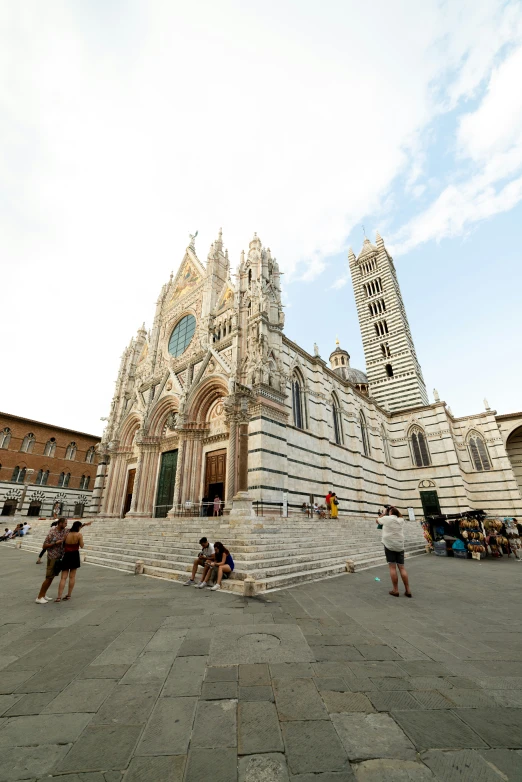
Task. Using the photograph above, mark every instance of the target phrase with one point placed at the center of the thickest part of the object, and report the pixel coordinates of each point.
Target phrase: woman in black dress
(71, 559)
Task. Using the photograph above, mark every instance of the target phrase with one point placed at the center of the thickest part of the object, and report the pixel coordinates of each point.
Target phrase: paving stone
(313, 747)
(270, 767)
(501, 698)
(43, 729)
(254, 675)
(167, 768)
(499, 727)
(462, 682)
(346, 702)
(331, 684)
(430, 683)
(84, 696)
(257, 693)
(335, 653)
(219, 765)
(169, 727)
(378, 652)
(102, 748)
(367, 736)
(474, 699)
(104, 671)
(166, 640)
(392, 683)
(215, 724)
(424, 668)
(464, 765)
(30, 762)
(371, 669)
(129, 704)
(334, 669)
(185, 677)
(506, 761)
(359, 684)
(298, 699)
(124, 649)
(388, 701)
(258, 728)
(195, 647)
(275, 643)
(437, 730)
(433, 699)
(7, 702)
(218, 691)
(150, 667)
(389, 770)
(501, 682)
(291, 671)
(11, 680)
(325, 776)
(222, 673)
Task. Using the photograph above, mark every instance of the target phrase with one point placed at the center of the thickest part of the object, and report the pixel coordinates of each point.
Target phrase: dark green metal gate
(166, 483)
(430, 503)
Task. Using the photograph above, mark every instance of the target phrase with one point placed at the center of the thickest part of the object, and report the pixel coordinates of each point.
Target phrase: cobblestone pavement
(144, 680)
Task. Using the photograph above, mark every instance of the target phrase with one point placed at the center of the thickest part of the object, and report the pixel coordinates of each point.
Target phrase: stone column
(242, 506)
(242, 474)
(178, 486)
(97, 492)
(137, 485)
(231, 461)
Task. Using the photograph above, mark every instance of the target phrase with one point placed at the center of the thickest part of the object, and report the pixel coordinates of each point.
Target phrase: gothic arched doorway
(514, 452)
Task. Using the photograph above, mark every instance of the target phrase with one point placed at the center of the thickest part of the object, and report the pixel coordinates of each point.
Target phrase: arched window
(385, 446)
(18, 475)
(5, 437)
(70, 453)
(364, 434)
(50, 447)
(84, 481)
(28, 443)
(337, 420)
(389, 370)
(66, 479)
(419, 448)
(61, 479)
(478, 452)
(297, 403)
(89, 456)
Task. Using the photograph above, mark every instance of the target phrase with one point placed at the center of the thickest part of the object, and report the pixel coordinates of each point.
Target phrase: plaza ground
(142, 679)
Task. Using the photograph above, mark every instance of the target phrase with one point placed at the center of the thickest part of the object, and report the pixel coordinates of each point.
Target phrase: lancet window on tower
(364, 434)
(337, 420)
(28, 443)
(297, 402)
(5, 437)
(385, 446)
(419, 448)
(381, 328)
(478, 452)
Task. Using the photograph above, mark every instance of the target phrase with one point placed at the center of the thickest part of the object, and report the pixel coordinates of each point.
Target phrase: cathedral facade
(216, 400)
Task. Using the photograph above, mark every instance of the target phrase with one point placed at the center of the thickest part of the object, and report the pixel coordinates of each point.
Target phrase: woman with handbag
(334, 503)
(70, 561)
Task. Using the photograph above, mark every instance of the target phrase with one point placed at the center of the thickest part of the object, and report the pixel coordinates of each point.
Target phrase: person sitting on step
(223, 565)
(204, 557)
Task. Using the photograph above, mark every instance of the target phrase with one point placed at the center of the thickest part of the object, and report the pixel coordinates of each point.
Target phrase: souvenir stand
(458, 535)
(472, 535)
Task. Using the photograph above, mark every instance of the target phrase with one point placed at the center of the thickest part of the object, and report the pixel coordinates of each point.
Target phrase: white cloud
(125, 126)
(491, 139)
(340, 283)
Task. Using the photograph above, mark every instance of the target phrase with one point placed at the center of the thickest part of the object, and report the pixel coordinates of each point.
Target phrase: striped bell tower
(394, 373)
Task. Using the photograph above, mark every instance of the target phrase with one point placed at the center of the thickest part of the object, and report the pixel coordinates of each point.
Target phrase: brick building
(44, 468)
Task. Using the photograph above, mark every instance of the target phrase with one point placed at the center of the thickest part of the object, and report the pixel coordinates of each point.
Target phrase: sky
(125, 125)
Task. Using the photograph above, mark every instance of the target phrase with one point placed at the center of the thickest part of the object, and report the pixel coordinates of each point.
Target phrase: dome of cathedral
(340, 363)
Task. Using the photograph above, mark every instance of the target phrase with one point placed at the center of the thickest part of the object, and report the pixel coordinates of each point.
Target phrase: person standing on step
(224, 564)
(334, 502)
(217, 505)
(327, 501)
(205, 556)
(393, 541)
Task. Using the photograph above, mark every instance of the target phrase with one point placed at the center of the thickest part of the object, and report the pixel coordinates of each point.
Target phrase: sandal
(393, 594)
(58, 600)
(68, 597)
(408, 594)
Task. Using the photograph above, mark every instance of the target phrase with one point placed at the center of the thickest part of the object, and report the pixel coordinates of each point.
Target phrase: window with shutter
(481, 445)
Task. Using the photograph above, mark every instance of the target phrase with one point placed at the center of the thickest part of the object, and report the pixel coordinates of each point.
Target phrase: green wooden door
(166, 483)
(430, 503)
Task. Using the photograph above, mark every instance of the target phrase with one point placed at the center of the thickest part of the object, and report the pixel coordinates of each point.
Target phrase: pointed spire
(436, 395)
(351, 254)
(486, 404)
(218, 244)
(378, 237)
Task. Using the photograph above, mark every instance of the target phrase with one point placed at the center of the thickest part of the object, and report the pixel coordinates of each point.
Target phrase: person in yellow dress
(334, 503)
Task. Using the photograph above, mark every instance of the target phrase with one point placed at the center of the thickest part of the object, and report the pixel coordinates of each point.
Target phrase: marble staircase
(277, 553)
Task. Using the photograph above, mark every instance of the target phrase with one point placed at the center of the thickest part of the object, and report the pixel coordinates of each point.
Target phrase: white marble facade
(313, 424)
